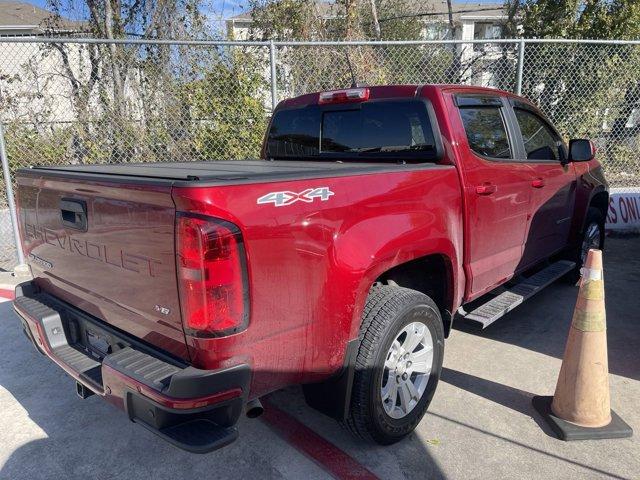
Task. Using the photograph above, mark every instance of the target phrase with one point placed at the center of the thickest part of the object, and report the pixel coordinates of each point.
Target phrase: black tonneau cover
(219, 172)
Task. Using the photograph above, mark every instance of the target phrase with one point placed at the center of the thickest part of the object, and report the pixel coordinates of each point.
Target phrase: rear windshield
(379, 130)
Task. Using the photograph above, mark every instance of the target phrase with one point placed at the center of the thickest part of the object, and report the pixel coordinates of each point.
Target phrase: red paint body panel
(121, 267)
(310, 265)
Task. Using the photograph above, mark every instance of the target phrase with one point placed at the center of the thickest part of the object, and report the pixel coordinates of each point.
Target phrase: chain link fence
(78, 101)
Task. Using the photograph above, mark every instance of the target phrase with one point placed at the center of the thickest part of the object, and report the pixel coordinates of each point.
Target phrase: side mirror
(581, 150)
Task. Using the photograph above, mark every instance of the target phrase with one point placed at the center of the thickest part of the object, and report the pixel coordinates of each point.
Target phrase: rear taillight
(348, 95)
(211, 276)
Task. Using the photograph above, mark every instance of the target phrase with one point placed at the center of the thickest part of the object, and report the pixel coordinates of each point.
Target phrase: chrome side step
(500, 305)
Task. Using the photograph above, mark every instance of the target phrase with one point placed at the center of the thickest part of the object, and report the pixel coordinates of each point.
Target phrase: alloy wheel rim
(591, 240)
(406, 371)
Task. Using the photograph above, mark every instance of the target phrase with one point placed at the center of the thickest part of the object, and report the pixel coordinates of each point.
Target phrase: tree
(100, 73)
(589, 89)
(340, 20)
(374, 19)
(228, 103)
(115, 102)
(589, 19)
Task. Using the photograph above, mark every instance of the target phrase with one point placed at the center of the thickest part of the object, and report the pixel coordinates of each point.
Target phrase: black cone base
(569, 431)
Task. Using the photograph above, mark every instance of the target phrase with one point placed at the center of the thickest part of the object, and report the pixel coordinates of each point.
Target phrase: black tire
(594, 218)
(387, 311)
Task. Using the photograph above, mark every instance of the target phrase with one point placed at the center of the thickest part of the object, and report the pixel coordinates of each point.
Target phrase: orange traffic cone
(580, 408)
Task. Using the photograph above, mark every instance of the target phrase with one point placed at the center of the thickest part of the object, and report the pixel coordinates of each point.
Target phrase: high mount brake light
(212, 276)
(348, 95)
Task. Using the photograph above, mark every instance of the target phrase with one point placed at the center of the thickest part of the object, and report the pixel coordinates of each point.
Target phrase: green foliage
(219, 113)
(624, 161)
(284, 20)
(590, 19)
(589, 90)
(48, 147)
(227, 105)
(343, 20)
(336, 20)
(395, 18)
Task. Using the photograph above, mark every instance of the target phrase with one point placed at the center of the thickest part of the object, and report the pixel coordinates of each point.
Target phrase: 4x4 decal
(281, 199)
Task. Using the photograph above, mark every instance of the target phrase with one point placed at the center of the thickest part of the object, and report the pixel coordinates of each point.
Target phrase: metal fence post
(520, 67)
(10, 200)
(274, 79)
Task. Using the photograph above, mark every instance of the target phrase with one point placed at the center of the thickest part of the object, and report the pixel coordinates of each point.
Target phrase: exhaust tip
(253, 409)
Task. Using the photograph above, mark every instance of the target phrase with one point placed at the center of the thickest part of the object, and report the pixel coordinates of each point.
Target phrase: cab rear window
(375, 130)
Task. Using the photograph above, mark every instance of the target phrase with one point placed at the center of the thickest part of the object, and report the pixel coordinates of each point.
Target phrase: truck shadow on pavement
(541, 324)
(49, 433)
(510, 397)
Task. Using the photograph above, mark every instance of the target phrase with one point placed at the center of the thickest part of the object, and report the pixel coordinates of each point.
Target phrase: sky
(216, 10)
(215, 7)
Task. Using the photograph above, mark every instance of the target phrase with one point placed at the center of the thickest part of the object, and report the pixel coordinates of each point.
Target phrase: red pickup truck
(184, 292)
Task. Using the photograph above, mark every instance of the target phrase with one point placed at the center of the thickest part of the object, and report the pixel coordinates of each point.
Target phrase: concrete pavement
(480, 425)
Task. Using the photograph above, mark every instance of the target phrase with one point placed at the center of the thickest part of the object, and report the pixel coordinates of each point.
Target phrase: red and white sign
(624, 209)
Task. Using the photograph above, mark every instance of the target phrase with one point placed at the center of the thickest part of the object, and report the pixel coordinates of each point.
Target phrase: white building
(34, 85)
(21, 18)
(37, 79)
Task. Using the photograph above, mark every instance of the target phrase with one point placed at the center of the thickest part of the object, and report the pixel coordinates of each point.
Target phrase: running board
(500, 305)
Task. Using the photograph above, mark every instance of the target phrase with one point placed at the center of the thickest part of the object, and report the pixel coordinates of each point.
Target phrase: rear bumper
(193, 409)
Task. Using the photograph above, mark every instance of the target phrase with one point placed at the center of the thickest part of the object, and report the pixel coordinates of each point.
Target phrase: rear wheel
(398, 364)
(592, 237)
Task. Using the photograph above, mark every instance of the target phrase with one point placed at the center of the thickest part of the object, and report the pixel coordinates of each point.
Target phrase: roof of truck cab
(395, 91)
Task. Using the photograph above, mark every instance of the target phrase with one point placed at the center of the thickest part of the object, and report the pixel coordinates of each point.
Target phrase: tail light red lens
(212, 276)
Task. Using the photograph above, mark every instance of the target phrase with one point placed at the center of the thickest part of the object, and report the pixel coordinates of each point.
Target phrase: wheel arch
(333, 395)
(432, 275)
(600, 200)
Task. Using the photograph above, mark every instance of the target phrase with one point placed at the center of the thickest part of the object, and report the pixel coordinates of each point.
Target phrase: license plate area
(98, 343)
(90, 338)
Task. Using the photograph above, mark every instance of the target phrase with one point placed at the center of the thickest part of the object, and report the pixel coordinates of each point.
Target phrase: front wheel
(398, 364)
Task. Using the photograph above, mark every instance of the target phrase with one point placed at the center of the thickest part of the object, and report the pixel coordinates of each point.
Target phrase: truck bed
(221, 172)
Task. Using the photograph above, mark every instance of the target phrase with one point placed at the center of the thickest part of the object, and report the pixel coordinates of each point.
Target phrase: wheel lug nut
(404, 376)
(408, 364)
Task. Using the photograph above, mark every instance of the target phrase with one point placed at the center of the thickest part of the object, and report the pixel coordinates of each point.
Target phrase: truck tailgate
(108, 249)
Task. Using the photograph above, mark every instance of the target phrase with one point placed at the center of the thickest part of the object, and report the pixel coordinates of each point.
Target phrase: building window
(487, 31)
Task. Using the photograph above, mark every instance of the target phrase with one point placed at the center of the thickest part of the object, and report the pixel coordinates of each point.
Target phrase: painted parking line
(333, 460)
(6, 295)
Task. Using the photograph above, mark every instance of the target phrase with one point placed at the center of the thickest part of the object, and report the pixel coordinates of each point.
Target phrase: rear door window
(372, 130)
(486, 130)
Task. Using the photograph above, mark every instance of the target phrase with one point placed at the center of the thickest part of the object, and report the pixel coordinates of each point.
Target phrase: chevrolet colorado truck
(184, 292)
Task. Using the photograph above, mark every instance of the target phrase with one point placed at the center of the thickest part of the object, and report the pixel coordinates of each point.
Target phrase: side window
(540, 142)
(486, 131)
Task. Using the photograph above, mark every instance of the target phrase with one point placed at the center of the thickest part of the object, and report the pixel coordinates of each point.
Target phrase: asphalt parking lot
(480, 425)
